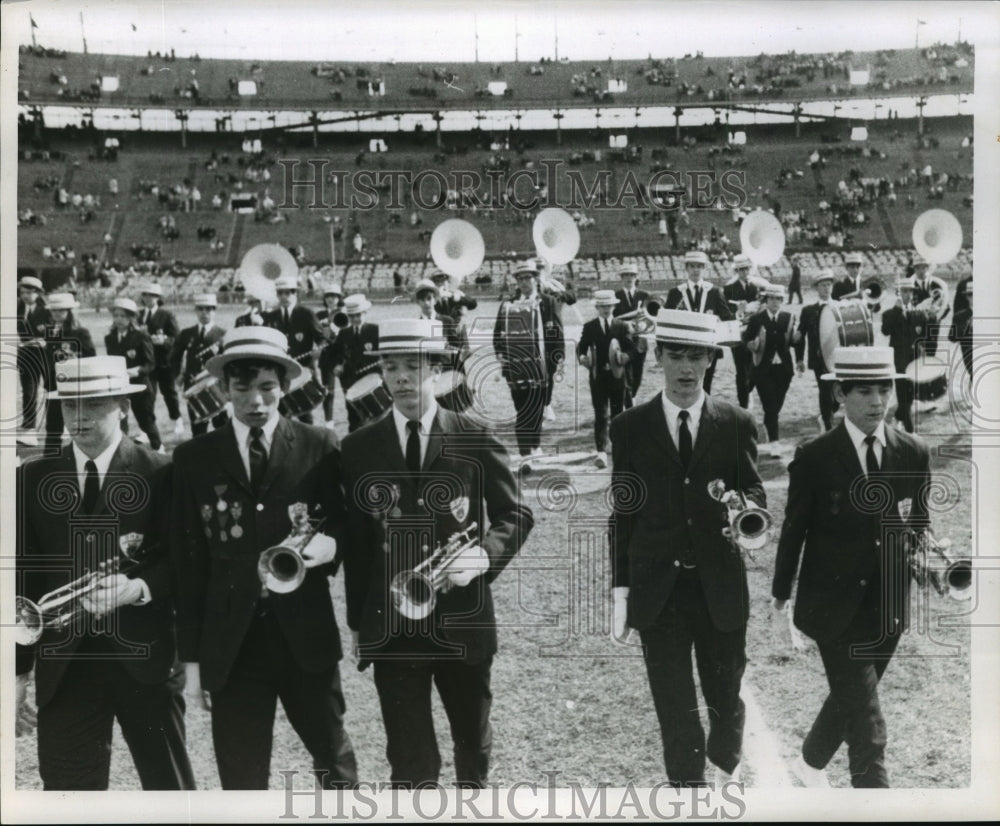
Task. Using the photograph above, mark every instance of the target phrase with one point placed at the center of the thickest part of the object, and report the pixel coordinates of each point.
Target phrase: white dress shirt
(858, 440)
(242, 432)
(671, 411)
(423, 432)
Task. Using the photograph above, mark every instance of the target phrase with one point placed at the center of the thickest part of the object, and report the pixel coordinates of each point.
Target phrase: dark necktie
(91, 487)
(285, 315)
(413, 447)
(258, 458)
(871, 463)
(684, 439)
(695, 299)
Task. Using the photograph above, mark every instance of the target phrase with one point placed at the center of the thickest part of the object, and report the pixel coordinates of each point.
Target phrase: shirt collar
(242, 432)
(425, 421)
(671, 410)
(102, 461)
(858, 436)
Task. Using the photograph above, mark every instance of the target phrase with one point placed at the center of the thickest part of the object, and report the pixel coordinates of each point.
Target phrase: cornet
(749, 525)
(281, 567)
(870, 292)
(933, 566)
(414, 592)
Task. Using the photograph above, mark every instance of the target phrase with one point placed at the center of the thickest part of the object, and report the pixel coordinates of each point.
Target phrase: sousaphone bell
(262, 266)
(457, 248)
(556, 236)
(762, 238)
(937, 236)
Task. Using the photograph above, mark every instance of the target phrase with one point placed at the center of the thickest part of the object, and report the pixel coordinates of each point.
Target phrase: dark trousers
(828, 405)
(243, 713)
(30, 368)
(794, 289)
(142, 409)
(75, 729)
(607, 394)
(529, 402)
(634, 373)
(721, 660)
(328, 406)
(743, 359)
(218, 420)
(404, 691)
(550, 383)
(163, 377)
(772, 382)
(54, 425)
(904, 403)
(966, 347)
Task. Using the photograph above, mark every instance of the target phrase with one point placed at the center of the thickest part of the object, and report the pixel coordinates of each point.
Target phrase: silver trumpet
(749, 526)
(932, 566)
(281, 567)
(414, 592)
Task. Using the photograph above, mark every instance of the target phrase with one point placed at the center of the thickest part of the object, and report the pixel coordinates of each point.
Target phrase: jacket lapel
(706, 431)
(657, 420)
(121, 462)
(846, 452)
(442, 424)
(231, 462)
(281, 446)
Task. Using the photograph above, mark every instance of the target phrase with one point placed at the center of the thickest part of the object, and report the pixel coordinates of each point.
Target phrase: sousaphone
(937, 236)
(457, 249)
(762, 238)
(262, 266)
(556, 236)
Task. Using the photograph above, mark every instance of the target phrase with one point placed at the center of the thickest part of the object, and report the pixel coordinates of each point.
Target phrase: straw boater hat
(126, 304)
(773, 291)
(62, 301)
(356, 304)
(332, 289)
(287, 282)
(903, 283)
(604, 298)
(683, 327)
(863, 364)
(695, 257)
(854, 258)
(526, 269)
(257, 343)
(401, 336)
(742, 262)
(94, 377)
(628, 269)
(31, 283)
(206, 300)
(825, 274)
(439, 275)
(152, 289)
(920, 261)
(426, 285)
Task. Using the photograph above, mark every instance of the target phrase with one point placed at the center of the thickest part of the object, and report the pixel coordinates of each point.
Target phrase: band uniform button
(864, 582)
(677, 563)
(260, 506)
(878, 543)
(687, 481)
(420, 503)
(690, 522)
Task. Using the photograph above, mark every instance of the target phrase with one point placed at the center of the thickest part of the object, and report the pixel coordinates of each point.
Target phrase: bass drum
(368, 397)
(929, 375)
(302, 397)
(453, 393)
(845, 324)
(205, 398)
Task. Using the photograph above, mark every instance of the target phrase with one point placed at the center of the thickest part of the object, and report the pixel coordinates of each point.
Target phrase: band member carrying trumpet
(632, 303)
(743, 298)
(856, 496)
(239, 491)
(192, 348)
(82, 515)
(930, 294)
(135, 345)
(161, 327)
(424, 483)
(676, 576)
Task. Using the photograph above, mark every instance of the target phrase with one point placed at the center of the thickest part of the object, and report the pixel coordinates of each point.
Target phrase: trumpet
(636, 323)
(339, 320)
(654, 305)
(281, 568)
(414, 592)
(749, 525)
(870, 292)
(932, 566)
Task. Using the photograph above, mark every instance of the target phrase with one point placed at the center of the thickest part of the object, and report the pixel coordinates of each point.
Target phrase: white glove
(320, 550)
(619, 614)
(111, 593)
(192, 687)
(469, 564)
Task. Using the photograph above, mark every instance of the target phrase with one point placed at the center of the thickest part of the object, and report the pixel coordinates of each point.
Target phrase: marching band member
(427, 295)
(631, 300)
(333, 303)
(125, 339)
(850, 283)
(352, 353)
(529, 342)
(607, 393)
(961, 323)
(32, 319)
(809, 344)
(118, 661)
(68, 340)
(253, 317)
(299, 325)
(238, 491)
(770, 334)
(854, 581)
(906, 327)
(161, 327)
(675, 577)
(699, 296)
(192, 348)
(391, 467)
(452, 301)
(930, 293)
(564, 295)
(741, 295)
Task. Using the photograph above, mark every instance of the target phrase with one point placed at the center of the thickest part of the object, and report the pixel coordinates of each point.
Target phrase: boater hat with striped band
(94, 377)
(402, 336)
(695, 257)
(683, 327)
(257, 344)
(863, 364)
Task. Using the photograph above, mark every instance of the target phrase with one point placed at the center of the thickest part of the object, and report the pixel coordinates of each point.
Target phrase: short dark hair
(246, 370)
(848, 385)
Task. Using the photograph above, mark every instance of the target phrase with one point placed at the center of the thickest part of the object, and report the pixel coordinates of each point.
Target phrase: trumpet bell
(653, 308)
(752, 528)
(937, 236)
(762, 238)
(281, 569)
(28, 623)
(457, 248)
(339, 319)
(556, 236)
(262, 266)
(413, 594)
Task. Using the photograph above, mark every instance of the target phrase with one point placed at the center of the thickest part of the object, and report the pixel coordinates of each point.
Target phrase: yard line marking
(760, 746)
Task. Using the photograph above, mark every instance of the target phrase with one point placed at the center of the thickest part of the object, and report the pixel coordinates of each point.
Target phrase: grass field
(568, 699)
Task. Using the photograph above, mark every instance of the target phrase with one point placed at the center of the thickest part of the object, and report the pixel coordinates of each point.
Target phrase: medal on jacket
(236, 511)
(220, 505)
(459, 508)
(129, 544)
(298, 513)
(222, 517)
(206, 515)
(904, 506)
(130, 354)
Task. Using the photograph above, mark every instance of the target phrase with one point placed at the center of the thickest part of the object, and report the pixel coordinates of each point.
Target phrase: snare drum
(845, 324)
(205, 398)
(368, 397)
(929, 376)
(453, 393)
(302, 397)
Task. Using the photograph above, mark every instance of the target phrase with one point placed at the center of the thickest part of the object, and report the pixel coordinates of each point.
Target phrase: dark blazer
(904, 330)
(961, 299)
(661, 510)
(38, 319)
(736, 291)
(776, 339)
(304, 332)
(638, 302)
(160, 321)
(713, 301)
(465, 478)
(516, 357)
(69, 343)
(352, 350)
(593, 335)
(218, 585)
(188, 356)
(810, 343)
(243, 319)
(845, 542)
(137, 348)
(845, 286)
(51, 537)
(921, 292)
(453, 304)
